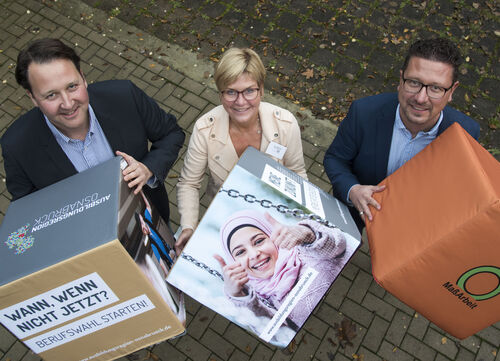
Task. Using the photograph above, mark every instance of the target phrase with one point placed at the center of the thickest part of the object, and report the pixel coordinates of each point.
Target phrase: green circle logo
(462, 281)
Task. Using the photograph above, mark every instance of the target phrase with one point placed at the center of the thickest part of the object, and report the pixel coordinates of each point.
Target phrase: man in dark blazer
(380, 133)
(75, 127)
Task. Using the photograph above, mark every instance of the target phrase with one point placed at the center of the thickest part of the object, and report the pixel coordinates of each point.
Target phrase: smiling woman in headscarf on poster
(265, 259)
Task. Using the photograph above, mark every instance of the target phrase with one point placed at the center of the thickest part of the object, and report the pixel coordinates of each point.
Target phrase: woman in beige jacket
(222, 135)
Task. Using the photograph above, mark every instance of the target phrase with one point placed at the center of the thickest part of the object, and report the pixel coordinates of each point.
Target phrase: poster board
(73, 285)
(298, 277)
(435, 243)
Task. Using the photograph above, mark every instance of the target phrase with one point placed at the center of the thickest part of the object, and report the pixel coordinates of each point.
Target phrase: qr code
(274, 179)
(290, 187)
(314, 201)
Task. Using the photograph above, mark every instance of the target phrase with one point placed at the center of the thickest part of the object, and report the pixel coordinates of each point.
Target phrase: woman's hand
(182, 240)
(288, 237)
(235, 278)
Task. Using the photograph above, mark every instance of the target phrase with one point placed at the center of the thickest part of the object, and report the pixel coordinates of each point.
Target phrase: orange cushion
(435, 244)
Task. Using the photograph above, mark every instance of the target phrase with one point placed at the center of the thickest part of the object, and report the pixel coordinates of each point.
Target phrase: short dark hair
(436, 49)
(43, 51)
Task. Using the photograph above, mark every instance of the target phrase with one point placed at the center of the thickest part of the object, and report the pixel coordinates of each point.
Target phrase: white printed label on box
(281, 182)
(90, 324)
(313, 199)
(59, 305)
(291, 300)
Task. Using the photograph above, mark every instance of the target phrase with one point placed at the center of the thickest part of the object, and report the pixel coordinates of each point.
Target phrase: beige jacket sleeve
(192, 173)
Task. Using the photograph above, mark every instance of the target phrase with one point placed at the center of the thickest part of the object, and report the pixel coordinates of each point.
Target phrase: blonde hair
(236, 62)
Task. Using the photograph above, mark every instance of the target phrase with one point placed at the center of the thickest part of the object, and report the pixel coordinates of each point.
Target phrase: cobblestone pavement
(325, 53)
(384, 328)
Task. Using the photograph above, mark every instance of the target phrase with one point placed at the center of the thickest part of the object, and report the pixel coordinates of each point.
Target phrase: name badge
(276, 150)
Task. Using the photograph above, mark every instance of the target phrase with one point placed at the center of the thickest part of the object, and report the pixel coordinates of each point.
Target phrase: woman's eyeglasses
(231, 95)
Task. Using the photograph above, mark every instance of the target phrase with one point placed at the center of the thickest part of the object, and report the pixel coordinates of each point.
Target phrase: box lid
(60, 221)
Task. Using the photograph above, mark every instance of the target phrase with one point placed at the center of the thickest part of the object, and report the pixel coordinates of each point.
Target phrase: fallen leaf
(346, 332)
(300, 115)
(331, 341)
(309, 73)
(443, 340)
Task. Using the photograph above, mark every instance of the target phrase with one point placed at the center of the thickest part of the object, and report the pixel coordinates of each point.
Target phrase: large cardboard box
(435, 244)
(255, 228)
(79, 278)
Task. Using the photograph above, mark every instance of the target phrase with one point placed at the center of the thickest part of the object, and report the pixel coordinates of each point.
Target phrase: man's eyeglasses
(231, 95)
(433, 91)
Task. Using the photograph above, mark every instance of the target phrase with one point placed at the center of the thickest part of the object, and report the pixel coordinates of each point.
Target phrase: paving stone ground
(384, 328)
(325, 53)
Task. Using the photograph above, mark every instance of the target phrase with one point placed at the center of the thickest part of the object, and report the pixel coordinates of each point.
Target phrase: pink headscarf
(287, 266)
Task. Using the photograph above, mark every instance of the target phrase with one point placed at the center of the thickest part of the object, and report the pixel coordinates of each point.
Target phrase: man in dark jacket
(76, 126)
(380, 133)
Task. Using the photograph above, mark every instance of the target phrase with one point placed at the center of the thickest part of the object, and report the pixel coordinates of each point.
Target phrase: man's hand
(361, 197)
(136, 174)
(182, 240)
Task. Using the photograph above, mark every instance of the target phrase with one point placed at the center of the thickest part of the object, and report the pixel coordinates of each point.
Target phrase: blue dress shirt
(88, 153)
(404, 147)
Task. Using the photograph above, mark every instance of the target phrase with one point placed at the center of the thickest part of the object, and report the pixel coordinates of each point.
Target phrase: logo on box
(20, 240)
(477, 289)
